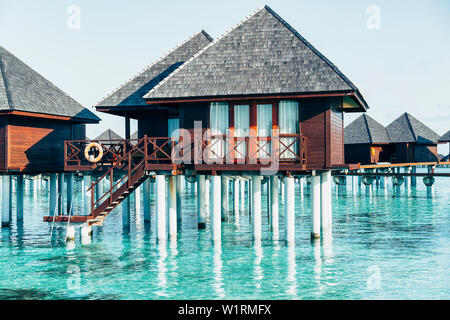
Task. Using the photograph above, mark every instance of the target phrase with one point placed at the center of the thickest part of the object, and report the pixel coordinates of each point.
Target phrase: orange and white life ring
(90, 157)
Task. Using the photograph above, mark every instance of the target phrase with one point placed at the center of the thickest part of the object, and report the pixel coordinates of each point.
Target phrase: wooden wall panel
(337, 155)
(3, 124)
(36, 145)
(312, 126)
(425, 153)
(153, 124)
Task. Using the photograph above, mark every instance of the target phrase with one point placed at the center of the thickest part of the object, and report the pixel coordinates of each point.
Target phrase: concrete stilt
(413, 179)
(201, 201)
(316, 201)
(289, 208)
(19, 197)
(179, 191)
(137, 200)
(161, 208)
(6, 203)
(207, 196)
(172, 199)
(256, 207)
(61, 192)
(53, 194)
(216, 209)
(69, 179)
(325, 203)
(224, 195)
(70, 233)
(282, 191)
(242, 193)
(87, 195)
(126, 216)
(86, 233)
(274, 213)
(236, 197)
(146, 190)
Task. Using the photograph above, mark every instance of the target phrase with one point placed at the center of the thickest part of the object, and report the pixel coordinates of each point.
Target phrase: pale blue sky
(404, 66)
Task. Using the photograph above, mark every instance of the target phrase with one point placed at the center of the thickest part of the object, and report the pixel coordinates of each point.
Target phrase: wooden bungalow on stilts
(412, 141)
(109, 135)
(35, 119)
(366, 141)
(258, 101)
(446, 139)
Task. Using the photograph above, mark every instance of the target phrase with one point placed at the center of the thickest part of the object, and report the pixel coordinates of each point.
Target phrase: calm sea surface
(383, 247)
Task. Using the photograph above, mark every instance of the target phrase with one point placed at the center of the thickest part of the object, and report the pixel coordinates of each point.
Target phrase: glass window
(264, 125)
(241, 129)
(219, 121)
(289, 124)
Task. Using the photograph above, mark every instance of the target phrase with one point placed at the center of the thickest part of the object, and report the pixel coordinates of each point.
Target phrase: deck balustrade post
(274, 208)
(315, 205)
(201, 201)
(161, 208)
(216, 228)
(289, 208)
(19, 197)
(256, 208)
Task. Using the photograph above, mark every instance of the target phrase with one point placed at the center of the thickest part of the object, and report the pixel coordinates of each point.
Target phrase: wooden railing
(154, 151)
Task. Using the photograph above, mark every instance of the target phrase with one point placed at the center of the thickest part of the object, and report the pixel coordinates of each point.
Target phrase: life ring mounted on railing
(93, 152)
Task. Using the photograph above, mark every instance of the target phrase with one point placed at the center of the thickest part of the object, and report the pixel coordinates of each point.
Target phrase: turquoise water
(383, 247)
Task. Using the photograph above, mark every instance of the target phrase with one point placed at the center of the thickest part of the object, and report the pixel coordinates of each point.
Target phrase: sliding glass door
(219, 125)
(288, 117)
(241, 130)
(264, 125)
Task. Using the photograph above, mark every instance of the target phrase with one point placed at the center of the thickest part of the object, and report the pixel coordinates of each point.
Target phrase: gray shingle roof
(445, 137)
(365, 130)
(406, 128)
(261, 55)
(131, 93)
(23, 89)
(109, 135)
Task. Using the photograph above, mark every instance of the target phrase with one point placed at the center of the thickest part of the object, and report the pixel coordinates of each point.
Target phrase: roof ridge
(203, 50)
(5, 80)
(162, 57)
(368, 128)
(312, 48)
(410, 126)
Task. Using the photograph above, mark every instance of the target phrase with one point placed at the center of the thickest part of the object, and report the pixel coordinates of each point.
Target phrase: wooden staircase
(132, 167)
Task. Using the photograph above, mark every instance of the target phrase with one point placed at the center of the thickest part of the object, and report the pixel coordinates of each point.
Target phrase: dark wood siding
(3, 127)
(35, 144)
(425, 153)
(357, 153)
(191, 112)
(153, 124)
(312, 126)
(336, 135)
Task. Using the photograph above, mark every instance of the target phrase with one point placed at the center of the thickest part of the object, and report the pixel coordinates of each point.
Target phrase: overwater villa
(412, 141)
(258, 95)
(366, 141)
(109, 135)
(446, 139)
(35, 119)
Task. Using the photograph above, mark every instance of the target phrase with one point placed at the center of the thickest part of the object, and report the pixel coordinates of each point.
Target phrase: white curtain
(241, 128)
(219, 121)
(264, 124)
(288, 124)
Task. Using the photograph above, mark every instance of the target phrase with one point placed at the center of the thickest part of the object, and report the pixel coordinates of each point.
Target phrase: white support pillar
(274, 208)
(126, 216)
(70, 234)
(216, 228)
(282, 191)
(315, 205)
(161, 208)
(172, 199)
(86, 233)
(207, 196)
(201, 201)
(224, 196)
(53, 195)
(146, 189)
(256, 207)
(179, 190)
(61, 192)
(6, 203)
(325, 203)
(242, 194)
(236, 197)
(69, 179)
(19, 197)
(87, 195)
(413, 178)
(289, 206)
(137, 201)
